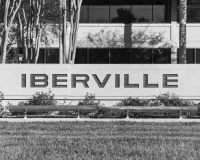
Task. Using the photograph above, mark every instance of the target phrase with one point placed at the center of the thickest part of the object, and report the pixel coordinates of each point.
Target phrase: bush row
(41, 98)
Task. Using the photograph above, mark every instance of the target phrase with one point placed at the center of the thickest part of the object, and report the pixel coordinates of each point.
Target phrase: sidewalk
(94, 120)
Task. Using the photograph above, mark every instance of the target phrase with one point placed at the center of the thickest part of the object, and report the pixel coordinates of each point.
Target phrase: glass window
(84, 12)
(41, 56)
(142, 11)
(161, 56)
(81, 56)
(191, 11)
(198, 11)
(190, 57)
(120, 56)
(120, 11)
(99, 11)
(99, 56)
(161, 11)
(142, 56)
(125, 11)
(198, 56)
(52, 55)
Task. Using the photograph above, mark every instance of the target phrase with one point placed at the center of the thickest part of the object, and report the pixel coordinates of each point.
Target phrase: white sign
(105, 81)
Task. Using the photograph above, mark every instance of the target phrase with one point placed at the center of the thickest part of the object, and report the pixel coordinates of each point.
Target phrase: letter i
(117, 80)
(23, 80)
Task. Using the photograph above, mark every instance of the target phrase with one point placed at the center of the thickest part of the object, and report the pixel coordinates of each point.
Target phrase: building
(132, 32)
(146, 31)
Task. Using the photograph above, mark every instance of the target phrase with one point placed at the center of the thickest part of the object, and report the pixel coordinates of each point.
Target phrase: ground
(99, 140)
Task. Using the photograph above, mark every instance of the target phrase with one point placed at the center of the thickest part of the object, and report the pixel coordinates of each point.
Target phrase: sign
(105, 81)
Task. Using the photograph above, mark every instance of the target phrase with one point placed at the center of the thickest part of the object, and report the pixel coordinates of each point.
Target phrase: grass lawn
(99, 140)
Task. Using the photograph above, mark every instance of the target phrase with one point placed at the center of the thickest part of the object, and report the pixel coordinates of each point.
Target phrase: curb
(94, 120)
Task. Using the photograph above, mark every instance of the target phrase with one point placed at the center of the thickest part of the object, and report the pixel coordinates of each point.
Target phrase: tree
(30, 21)
(63, 46)
(74, 23)
(35, 20)
(11, 8)
(68, 52)
(182, 31)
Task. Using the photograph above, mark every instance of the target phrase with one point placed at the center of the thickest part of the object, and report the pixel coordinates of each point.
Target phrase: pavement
(95, 120)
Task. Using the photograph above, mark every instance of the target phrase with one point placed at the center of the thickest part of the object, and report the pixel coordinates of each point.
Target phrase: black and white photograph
(99, 79)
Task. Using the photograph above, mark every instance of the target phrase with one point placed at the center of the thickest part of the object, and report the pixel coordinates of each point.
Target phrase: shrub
(133, 102)
(130, 102)
(89, 99)
(165, 99)
(40, 98)
(168, 99)
(4, 110)
(101, 112)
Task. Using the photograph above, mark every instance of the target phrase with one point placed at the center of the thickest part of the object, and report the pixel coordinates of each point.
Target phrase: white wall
(193, 35)
(188, 76)
(124, 36)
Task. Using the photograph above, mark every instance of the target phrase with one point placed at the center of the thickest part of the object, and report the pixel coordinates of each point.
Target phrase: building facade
(132, 32)
(136, 31)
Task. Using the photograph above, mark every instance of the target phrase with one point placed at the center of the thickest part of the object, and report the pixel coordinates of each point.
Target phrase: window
(99, 56)
(81, 56)
(41, 56)
(161, 56)
(48, 56)
(52, 55)
(151, 56)
(125, 11)
(192, 56)
(198, 56)
(84, 12)
(142, 11)
(142, 56)
(103, 56)
(120, 56)
(198, 11)
(161, 11)
(123, 56)
(98, 11)
(120, 11)
(193, 11)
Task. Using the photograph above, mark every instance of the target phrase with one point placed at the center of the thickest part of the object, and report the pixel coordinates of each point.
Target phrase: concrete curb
(94, 120)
